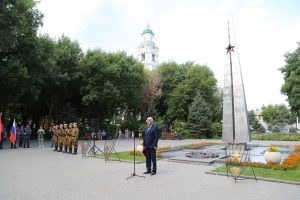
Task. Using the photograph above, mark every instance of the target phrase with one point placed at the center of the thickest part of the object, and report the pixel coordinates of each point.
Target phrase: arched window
(143, 56)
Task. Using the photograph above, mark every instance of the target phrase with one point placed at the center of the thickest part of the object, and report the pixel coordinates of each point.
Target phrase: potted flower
(272, 154)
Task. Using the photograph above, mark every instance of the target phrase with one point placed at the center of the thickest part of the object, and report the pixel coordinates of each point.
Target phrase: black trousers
(1, 142)
(20, 140)
(151, 157)
(13, 146)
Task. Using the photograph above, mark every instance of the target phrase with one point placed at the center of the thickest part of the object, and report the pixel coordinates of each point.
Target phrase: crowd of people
(22, 136)
(127, 134)
(65, 137)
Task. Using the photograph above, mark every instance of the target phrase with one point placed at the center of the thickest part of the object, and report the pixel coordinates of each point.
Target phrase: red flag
(13, 133)
(0, 126)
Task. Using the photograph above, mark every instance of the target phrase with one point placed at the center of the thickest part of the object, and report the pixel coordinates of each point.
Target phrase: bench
(167, 135)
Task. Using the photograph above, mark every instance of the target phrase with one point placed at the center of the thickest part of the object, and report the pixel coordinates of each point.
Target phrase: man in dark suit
(150, 140)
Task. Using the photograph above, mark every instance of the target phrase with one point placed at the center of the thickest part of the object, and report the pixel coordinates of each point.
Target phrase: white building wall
(147, 50)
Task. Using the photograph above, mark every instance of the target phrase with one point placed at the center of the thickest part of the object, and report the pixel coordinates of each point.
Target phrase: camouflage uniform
(66, 130)
(61, 137)
(74, 138)
(69, 137)
(55, 137)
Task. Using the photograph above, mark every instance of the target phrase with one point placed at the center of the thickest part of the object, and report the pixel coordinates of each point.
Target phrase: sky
(189, 30)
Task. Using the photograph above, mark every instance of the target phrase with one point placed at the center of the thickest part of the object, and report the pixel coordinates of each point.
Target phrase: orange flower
(291, 162)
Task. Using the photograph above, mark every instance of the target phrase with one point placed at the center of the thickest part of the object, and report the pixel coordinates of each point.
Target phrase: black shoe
(153, 173)
(147, 172)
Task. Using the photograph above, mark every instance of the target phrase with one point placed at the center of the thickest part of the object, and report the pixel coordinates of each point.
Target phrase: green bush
(180, 127)
(277, 136)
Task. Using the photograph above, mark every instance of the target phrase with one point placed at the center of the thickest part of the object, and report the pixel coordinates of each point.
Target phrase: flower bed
(291, 162)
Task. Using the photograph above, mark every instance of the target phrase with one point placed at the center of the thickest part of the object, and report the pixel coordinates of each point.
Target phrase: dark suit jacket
(150, 138)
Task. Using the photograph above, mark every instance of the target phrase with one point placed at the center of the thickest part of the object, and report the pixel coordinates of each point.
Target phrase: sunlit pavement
(34, 173)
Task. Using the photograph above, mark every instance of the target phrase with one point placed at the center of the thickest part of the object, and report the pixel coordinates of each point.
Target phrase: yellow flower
(273, 148)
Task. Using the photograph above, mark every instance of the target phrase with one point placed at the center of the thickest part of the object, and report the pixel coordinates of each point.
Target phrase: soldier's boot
(70, 150)
(65, 151)
(60, 148)
(75, 151)
(55, 148)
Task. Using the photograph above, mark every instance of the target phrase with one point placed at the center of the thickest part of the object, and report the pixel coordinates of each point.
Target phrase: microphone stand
(134, 174)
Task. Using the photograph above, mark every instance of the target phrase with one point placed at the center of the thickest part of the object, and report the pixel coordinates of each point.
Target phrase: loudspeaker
(94, 125)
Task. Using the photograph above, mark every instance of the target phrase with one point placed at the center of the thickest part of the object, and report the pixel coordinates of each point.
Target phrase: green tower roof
(147, 30)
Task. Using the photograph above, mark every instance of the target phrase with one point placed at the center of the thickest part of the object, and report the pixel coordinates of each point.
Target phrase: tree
(256, 125)
(171, 74)
(291, 72)
(253, 122)
(19, 22)
(181, 83)
(216, 128)
(200, 117)
(111, 82)
(61, 80)
(151, 93)
(276, 115)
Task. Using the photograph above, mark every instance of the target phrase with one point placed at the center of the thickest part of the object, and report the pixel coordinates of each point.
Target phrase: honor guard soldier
(66, 130)
(55, 137)
(61, 137)
(74, 138)
(69, 137)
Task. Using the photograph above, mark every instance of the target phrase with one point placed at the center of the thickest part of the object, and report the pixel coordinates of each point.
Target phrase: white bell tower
(147, 50)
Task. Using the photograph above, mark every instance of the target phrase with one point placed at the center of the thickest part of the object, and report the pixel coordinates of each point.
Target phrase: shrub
(277, 136)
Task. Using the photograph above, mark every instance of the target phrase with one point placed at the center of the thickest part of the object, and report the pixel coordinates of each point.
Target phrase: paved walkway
(41, 174)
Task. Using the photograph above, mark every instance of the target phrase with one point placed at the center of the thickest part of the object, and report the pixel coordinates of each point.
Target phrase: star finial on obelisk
(230, 48)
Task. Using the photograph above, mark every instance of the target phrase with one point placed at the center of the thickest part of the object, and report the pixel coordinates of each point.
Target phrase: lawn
(289, 175)
(125, 155)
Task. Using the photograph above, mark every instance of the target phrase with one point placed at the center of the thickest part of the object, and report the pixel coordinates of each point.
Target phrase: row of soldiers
(67, 137)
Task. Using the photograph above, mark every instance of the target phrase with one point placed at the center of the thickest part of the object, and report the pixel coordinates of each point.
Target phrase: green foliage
(52, 79)
(276, 115)
(200, 117)
(159, 122)
(277, 136)
(291, 72)
(254, 123)
(111, 81)
(216, 128)
(130, 122)
(19, 21)
(181, 83)
(180, 127)
(290, 175)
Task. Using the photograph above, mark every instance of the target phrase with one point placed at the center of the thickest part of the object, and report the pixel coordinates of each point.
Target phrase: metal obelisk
(235, 116)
